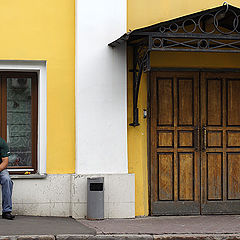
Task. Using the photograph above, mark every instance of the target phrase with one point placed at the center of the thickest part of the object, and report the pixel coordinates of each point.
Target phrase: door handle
(196, 138)
(204, 133)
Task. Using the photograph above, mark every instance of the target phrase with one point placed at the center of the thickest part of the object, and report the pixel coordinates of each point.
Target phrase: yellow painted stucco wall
(142, 13)
(44, 30)
(137, 143)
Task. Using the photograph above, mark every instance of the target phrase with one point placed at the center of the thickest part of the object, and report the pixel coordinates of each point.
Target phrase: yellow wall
(44, 30)
(142, 13)
(137, 143)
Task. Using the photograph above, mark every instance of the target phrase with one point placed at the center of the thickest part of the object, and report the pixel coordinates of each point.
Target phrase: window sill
(30, 176)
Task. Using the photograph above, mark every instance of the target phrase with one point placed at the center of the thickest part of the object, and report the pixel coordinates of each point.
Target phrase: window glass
(19, 121)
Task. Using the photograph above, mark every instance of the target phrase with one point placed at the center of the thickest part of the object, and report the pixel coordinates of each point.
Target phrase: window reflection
(19, 121)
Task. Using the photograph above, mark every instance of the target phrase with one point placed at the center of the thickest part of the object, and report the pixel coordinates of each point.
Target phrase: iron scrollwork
(198, 25)
(212, 32)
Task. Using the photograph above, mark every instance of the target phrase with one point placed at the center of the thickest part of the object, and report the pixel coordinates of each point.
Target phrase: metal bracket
(141, 63)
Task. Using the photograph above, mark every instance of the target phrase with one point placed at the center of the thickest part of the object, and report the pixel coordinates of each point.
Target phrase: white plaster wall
(101, 102)
(119, 195)
(42, 197)
(65, 195)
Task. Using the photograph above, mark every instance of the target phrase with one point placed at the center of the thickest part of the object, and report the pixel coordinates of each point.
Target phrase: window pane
(19, 121)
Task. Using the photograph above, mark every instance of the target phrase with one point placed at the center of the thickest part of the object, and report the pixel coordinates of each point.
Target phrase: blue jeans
(7, 186)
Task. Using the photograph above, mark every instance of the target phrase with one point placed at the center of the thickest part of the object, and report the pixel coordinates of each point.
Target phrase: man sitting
(5, 181)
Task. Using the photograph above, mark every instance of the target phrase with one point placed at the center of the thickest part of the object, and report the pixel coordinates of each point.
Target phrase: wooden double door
(195, 143)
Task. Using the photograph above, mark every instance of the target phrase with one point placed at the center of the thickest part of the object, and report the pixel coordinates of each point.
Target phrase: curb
(197, 237)
(125, 237)
(107, 237)
(28, 237)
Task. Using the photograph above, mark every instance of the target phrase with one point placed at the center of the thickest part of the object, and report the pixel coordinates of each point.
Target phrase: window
(19, 114)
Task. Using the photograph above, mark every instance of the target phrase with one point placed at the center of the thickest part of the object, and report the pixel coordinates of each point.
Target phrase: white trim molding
(40, 67)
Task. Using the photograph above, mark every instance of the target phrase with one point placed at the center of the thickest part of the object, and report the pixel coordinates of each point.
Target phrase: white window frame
(40, 67)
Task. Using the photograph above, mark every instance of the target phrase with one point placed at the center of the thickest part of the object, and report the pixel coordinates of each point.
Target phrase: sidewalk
(157, 228)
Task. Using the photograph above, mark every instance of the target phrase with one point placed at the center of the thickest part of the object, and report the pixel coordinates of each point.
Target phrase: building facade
(142, 93)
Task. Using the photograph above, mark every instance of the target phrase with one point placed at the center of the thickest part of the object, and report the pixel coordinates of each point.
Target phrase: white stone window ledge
(30, 176)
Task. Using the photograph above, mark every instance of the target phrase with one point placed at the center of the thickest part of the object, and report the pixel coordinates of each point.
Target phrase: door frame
(149, 94)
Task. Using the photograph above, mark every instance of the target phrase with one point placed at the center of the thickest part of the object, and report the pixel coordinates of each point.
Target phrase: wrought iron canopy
(212, 30)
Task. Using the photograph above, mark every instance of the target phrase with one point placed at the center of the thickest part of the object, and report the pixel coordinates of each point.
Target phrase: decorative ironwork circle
(235, 22)
(203, 44)
(162, 29)
(173, 27)
(201, 19)
(189, 20)
(157, 43)
(238, 26)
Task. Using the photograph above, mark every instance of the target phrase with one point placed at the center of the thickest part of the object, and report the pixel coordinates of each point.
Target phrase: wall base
(65, 195)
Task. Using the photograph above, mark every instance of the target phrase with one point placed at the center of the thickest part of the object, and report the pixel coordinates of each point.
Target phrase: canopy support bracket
(141, 63)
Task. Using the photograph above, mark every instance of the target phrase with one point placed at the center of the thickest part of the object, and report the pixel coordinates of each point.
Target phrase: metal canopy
(213, 30)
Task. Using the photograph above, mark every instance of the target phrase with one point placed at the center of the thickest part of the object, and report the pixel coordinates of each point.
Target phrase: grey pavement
(211, 224)
(28, 225)
(224, 227)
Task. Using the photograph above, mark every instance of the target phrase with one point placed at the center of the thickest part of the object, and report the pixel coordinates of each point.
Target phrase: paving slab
(30, 225)
(218, 224)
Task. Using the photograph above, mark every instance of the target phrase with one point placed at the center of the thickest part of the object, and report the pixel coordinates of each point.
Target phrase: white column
(101, 88)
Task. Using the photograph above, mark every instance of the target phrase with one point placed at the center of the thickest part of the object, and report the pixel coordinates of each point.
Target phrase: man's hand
(4, 163)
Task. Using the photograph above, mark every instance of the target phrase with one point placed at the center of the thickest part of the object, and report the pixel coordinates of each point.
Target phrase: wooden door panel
(174, 161)
(214, 102)
(214, 139)
(185, 94)
(233, 139)
(185, 138)
(233, 102)
(166, 176)
(165, 139)
(186, 176)
(165, 101)
(220, 156)
(214, 176)
(233, 176)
